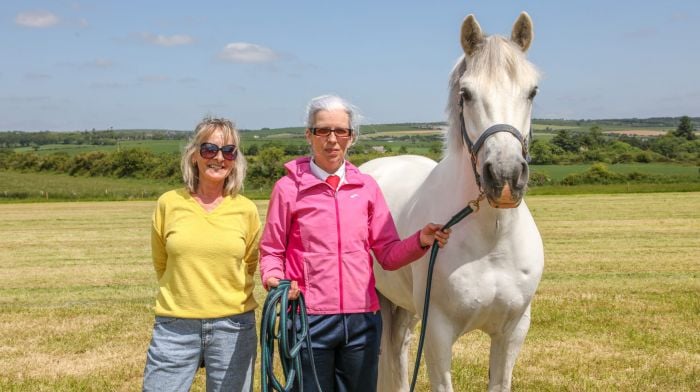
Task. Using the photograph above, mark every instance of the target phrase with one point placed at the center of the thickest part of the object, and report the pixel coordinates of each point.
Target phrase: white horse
(487, 274)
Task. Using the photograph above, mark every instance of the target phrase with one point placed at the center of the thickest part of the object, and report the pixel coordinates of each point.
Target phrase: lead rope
(278, 316)
(472, 206)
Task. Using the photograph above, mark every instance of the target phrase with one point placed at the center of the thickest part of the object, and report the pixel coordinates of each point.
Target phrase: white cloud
(164, 40)
(243, 52)
(36, 19)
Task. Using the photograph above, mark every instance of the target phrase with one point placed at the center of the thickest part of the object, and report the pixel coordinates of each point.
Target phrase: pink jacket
(322, 239)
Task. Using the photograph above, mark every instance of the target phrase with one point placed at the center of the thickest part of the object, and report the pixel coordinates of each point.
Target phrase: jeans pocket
(242, 321)
(164, 320)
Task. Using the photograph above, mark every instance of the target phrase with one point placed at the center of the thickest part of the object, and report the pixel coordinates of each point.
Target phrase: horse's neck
(457, 175)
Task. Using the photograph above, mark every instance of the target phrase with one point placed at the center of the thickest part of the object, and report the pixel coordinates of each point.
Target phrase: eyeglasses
(209, 151)
(339, 132)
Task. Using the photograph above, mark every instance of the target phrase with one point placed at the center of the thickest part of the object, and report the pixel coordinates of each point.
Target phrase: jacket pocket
(321, 278)
(358, 281)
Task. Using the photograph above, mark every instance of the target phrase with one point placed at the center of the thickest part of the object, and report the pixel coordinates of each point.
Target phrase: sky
(77, 65)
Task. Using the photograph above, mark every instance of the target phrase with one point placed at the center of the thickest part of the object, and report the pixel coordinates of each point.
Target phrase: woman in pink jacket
(323, 220)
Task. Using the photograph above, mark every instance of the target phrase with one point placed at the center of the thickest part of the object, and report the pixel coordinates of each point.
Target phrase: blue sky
(75, 65)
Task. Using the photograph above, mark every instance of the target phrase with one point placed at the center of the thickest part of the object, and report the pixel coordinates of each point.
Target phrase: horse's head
(491, 92)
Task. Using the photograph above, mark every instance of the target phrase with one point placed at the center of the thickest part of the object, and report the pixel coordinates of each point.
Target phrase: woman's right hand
(293, 287)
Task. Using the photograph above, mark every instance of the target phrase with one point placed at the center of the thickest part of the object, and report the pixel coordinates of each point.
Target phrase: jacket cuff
(423, 249)
(273, 273)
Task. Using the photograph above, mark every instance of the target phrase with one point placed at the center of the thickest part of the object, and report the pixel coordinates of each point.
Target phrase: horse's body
(487, 274)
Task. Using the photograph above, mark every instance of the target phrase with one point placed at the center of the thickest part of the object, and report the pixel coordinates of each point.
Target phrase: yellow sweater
(204, 261)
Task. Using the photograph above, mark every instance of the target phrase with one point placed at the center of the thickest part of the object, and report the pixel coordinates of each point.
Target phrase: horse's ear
(523, 34)
(471, 35)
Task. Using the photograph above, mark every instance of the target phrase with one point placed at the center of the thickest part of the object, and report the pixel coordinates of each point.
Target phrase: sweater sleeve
(158, 251)
(273, 245)
(252, 249)
(390, 251)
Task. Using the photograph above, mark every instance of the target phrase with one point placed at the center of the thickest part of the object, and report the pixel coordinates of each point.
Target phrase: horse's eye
(533, 92)
(466, 94)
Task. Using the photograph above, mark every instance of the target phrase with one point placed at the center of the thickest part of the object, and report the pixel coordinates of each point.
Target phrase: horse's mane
(493, 55)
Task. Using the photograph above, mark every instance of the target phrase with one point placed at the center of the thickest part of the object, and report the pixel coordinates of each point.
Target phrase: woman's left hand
(432, 232)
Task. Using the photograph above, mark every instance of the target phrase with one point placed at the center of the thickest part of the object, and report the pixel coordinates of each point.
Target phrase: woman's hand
(432, 232)
(293, 287)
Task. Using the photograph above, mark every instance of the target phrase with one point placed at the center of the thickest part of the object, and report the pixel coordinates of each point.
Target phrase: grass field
(50, 187)
(618, 308)
(32, 186)
(557, 172)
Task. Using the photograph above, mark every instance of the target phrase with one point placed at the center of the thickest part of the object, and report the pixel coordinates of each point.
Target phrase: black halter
(490, 131)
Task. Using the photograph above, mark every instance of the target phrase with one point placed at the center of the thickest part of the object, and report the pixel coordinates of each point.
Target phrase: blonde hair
(190, 174)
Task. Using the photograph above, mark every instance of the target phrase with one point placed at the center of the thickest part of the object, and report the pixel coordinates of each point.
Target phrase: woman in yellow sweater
(205, 251)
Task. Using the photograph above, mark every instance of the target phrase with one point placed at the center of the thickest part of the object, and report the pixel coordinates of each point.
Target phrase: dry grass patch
(617, 309)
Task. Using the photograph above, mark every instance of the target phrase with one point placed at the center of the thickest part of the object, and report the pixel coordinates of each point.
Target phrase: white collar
(322, 174)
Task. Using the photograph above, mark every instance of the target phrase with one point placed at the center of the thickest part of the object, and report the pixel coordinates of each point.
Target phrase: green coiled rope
(279, 323)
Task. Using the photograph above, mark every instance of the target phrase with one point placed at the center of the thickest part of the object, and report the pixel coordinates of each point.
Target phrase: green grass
(32, 186)
(70, 149)
(613, 189)
(48, 187)
(60, 187)
(157, 146)
(617, 309)
(557, 172)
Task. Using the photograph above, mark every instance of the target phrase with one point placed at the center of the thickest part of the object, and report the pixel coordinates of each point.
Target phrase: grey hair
(333, 102)
(190, 174)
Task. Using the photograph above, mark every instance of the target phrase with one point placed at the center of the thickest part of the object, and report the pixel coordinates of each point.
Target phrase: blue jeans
(346, 352)
(227, 345)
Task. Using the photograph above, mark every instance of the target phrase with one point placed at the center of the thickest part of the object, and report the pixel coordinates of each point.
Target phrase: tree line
(569, 147)
(265, 161)
(14, 139)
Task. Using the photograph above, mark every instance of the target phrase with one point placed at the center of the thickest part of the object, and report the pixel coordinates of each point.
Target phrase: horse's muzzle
(507, 200)
(504, 184)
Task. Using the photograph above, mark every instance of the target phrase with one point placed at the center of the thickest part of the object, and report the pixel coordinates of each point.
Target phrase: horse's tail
(397, 329)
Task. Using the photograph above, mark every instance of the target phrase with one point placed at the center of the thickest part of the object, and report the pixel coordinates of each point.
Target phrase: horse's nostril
(524, 175)
(489, 172)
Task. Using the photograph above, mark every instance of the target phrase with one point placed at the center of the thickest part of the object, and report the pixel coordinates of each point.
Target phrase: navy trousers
(345, 350)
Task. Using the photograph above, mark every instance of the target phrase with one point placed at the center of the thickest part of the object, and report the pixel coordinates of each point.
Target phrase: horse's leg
(397, 328)
(505, 348)
(439, 338)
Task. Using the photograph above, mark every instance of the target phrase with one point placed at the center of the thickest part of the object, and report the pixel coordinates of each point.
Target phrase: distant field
(617, 309)
(639, 132)
(368, 135)
(70, 149)
(157, 146)
(553, 128)
(403, 133)
(51, 187)
(557, 172)
(282, 136)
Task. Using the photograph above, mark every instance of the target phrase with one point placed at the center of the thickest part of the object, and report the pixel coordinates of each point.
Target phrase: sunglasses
(209, 151)
(339, 132)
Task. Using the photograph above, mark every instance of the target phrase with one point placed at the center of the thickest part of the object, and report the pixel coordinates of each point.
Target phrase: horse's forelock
(498, 53)
(494, 53)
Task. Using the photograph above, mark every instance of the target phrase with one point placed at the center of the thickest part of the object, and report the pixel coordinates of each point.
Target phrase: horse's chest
(494, 282)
